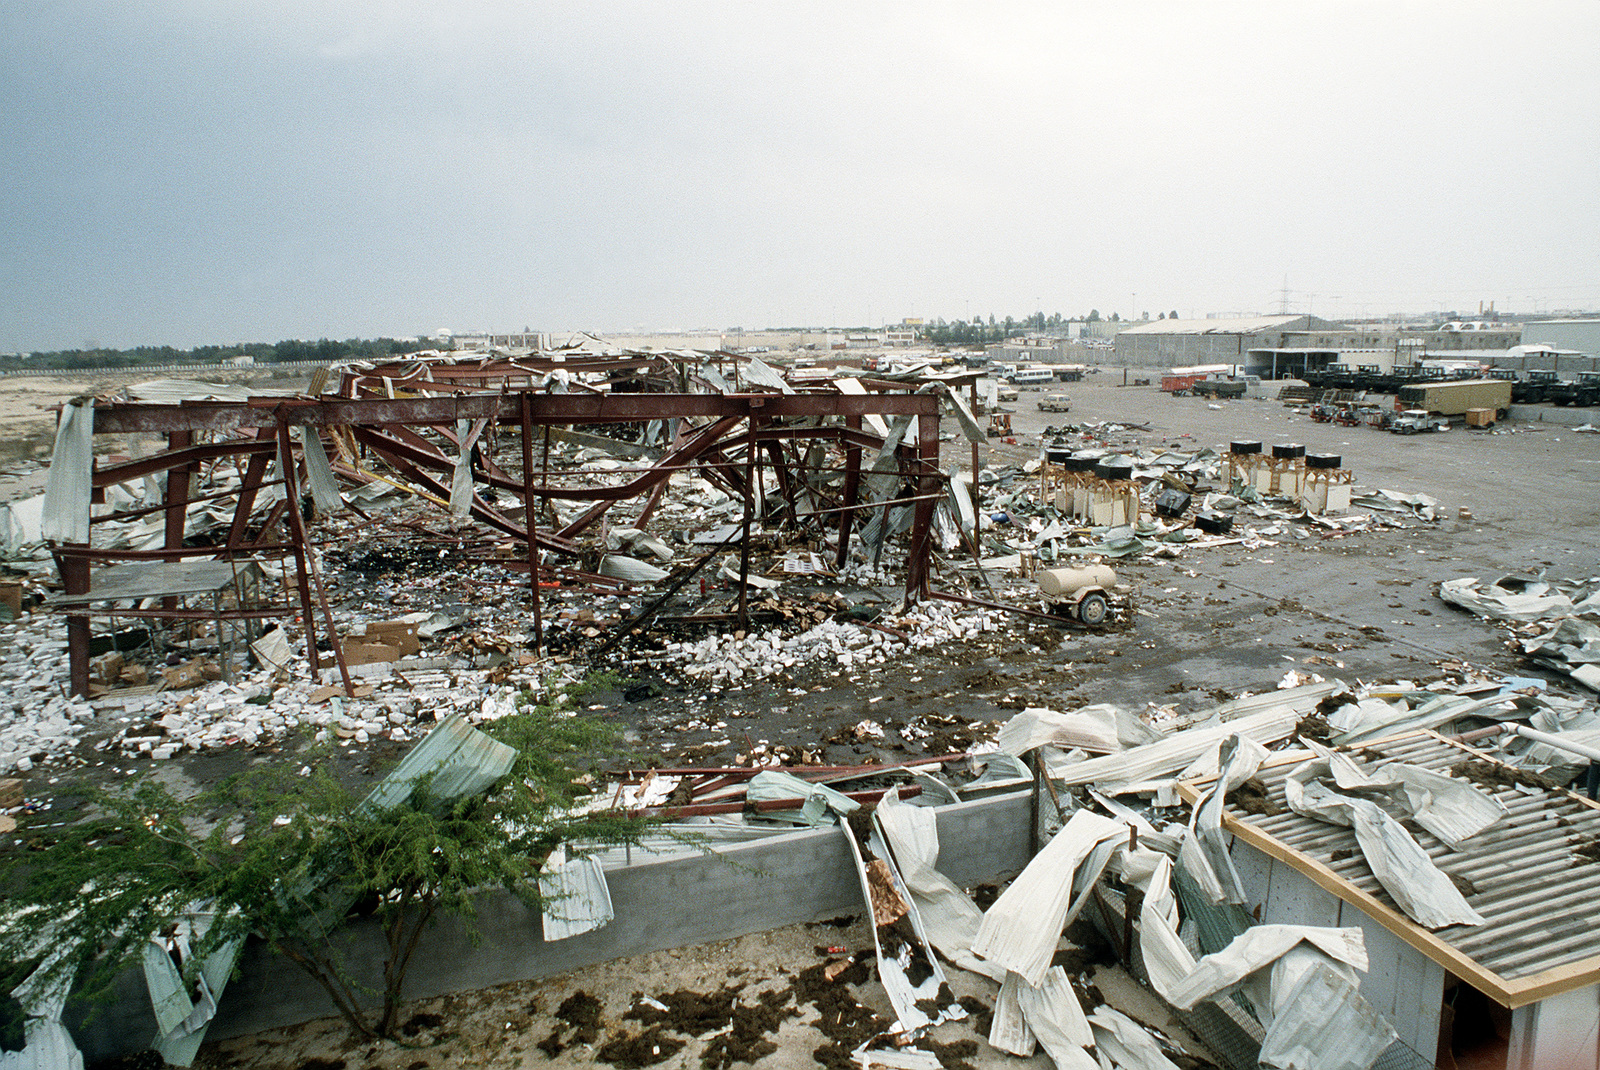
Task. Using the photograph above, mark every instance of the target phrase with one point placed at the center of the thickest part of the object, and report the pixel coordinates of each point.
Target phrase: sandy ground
(502, 1027)
(28, 403)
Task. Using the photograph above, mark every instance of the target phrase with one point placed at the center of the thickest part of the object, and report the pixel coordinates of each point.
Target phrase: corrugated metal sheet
(1540, 900)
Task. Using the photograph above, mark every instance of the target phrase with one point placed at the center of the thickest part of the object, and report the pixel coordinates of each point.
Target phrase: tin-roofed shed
(1531, 876)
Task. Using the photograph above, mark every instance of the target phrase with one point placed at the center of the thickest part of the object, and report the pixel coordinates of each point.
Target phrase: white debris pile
(38, 722)
(725, 659)
(222, 715)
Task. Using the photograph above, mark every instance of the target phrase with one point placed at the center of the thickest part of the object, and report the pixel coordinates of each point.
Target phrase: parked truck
(1584, 391)
(1453, 398)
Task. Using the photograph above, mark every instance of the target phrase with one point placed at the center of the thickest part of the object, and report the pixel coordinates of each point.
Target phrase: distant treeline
(324, 350)
(980, 331)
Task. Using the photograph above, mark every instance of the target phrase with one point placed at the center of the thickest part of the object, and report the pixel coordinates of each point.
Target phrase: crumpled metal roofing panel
(1540, 899)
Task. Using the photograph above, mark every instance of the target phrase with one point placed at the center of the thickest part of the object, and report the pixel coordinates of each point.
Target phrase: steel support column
(922, 518)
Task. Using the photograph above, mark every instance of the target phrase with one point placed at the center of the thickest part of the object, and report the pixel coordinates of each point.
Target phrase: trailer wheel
(1093, 610)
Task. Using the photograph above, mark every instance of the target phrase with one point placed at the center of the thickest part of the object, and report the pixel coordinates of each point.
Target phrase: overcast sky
(221, 170)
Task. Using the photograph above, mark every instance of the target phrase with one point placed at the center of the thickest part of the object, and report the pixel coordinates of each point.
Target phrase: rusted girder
(504, 407)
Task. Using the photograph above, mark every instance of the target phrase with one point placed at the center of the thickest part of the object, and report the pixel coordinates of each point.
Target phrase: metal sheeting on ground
(1099, 729)
(47, 1045)
(460, 760)
(1055, 1016)
(1302, 981)
(822, 804)
(1128, 1044)
(1539, 900)
(1271, 717)
(1021, 929)
(182, 1021)
(1212, 866)
(915, 1005)
(948, 914)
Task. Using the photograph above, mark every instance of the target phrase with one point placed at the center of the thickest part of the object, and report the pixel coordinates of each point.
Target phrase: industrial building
(1170, 343)
(1581, 335)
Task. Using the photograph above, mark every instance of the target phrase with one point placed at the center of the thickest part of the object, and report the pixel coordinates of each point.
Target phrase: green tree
(1094, 316)
(289, 858)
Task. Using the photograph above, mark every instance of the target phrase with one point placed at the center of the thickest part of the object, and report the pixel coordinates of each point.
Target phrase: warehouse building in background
(1578, 335)
(1174, 343)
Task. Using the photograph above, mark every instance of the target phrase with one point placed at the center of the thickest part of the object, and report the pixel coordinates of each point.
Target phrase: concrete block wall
(662, 903)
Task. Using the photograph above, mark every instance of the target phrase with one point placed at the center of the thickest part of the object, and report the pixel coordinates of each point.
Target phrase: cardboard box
(106, 668)
(190, 674)
(362, 651)
(10, 793)
(397, 634)
(1480, 417)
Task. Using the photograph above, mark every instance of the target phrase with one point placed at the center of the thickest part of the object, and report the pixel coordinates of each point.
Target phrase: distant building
(1582, 335)
(531, 340)
(900, 336)
(1177, 343)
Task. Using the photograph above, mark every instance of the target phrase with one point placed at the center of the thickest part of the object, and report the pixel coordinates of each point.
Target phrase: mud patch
(418, 1022)
(581, 1013)
(1254, 797)
(747, 1040)
(981, 1013)
(1499, 777)
(1314, 726)
(693, 1013)
(648, 1048)
(1589, 851)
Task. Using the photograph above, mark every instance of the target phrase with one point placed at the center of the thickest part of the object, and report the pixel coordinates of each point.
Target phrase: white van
(1032, 376)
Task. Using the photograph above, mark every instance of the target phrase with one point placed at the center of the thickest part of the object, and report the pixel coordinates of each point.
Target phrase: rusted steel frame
(780, 466)
(965, 600)
(813, 773)
(274, 515)
(716, 467)
(446, 373)
(928, 485)
(697, 443)
(912, 499)
(297, 546)
(399, 458)
(546, 409)
(193, 614)
(175, 498)
(907, 791)
(133, 514)
(530, 521)
(651, 500)
(168, 459)
(74, 571)
(418, 450)
(744, 539)
(177, 553)
(251, 485)
(852, 492)
(308, 562)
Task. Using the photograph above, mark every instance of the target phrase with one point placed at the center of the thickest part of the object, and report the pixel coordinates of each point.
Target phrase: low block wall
(664, 903)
